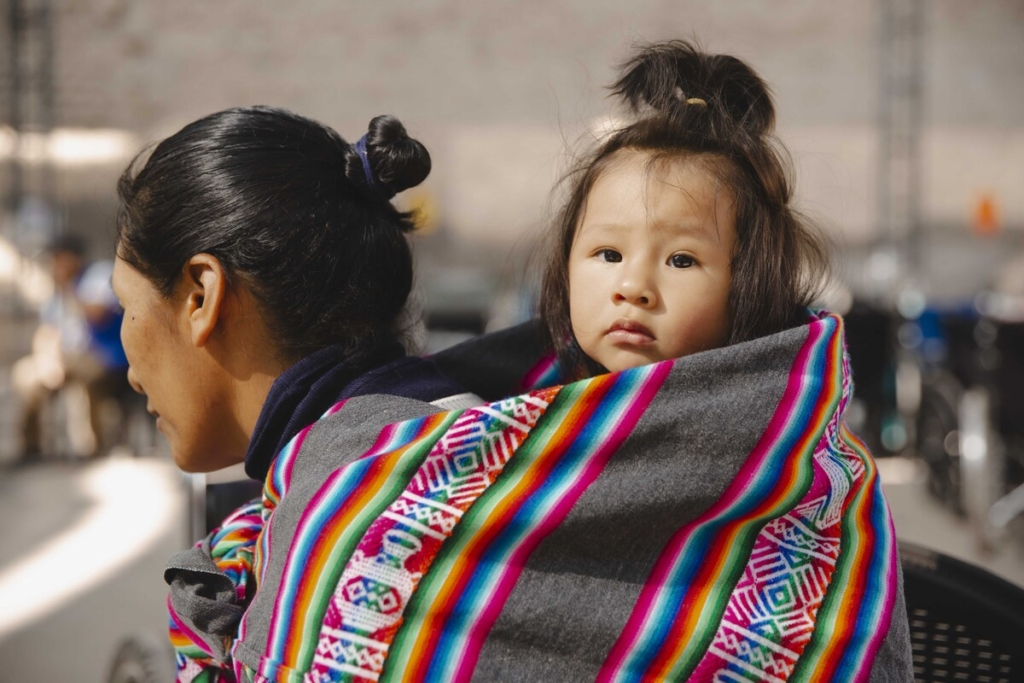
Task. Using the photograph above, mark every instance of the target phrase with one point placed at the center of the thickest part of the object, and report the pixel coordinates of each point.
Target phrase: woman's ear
(205, 282)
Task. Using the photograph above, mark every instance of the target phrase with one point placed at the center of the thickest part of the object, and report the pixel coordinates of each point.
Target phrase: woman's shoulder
(357, 422)
(410, 377)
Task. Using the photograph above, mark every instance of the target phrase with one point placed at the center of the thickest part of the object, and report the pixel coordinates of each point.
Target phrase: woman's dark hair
(716, 111)
(289, 208)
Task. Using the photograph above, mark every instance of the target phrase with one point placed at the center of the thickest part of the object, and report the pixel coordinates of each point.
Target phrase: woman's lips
(159, 420)
(629, 332)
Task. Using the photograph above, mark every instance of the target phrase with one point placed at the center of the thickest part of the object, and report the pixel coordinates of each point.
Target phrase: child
(678, 235)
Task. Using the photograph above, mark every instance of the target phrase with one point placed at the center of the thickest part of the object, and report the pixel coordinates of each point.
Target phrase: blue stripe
(351, 478)
(669, 600)
(875, 588)
(530, 512)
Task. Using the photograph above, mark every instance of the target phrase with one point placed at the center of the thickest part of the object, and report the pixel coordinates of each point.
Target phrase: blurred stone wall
(501, 91)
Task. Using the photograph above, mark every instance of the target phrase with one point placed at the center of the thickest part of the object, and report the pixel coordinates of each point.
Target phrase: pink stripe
(289, 466)
(335, 408)
(538, 372)
(518, 558)
(309, 510)
(780, 421)
(664, 568)
(192, 635)
(289, 462)
(291, 451)
(864, 672)
(382, 444)
(384, 441)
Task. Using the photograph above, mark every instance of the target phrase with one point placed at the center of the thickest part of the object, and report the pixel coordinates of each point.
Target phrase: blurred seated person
(77, 341)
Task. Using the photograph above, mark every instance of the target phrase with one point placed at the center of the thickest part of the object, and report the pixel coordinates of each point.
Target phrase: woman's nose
(134, 381)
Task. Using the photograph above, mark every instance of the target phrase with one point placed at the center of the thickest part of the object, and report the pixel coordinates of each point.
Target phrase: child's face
(649, 269)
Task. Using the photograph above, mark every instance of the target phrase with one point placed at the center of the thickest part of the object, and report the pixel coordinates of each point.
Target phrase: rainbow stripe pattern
(450, 615)
(791, 574)
(404, 559)
(231, 548)
(401, 544)
(547, 372)
(349, 500)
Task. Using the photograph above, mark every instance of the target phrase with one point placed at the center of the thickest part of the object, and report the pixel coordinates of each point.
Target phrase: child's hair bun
(396, 161)
(674, 77)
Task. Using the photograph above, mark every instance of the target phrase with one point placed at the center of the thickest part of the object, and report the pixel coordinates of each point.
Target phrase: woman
(263, 273)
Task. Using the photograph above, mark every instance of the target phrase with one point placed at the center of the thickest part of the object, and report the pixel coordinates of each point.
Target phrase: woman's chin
(186, 459)
(200, 460)
(186, 464)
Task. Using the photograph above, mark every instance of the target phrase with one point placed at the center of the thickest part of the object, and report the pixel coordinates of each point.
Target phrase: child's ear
(205, 282)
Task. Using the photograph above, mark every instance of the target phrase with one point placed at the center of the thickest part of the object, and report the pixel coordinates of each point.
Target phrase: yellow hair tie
(697, 101)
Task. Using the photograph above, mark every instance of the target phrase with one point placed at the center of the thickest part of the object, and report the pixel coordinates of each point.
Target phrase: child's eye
(681, 261)
(609, 256)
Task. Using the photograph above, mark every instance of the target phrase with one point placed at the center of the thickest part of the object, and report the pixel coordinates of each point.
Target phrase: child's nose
(635, 290)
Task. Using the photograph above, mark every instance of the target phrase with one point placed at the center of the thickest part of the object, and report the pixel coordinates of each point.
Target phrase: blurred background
(904, 118)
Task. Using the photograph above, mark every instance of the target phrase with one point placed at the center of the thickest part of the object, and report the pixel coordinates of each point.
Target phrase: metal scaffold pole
(31, 107)
(900, 109)
(900, 289)
(28, 207)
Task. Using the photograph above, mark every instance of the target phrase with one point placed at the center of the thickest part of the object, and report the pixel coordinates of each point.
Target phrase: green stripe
(831, 605)
(341, 553)
(714, 607)
(830, 608)
(451, 551)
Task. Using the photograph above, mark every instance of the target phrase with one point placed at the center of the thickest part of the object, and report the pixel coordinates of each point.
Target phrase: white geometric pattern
(340, 653)
(478, 444)
(771, 613)
(376, 585)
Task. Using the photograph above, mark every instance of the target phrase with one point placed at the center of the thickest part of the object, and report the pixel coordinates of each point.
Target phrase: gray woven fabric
(204, 598)
(580, 585)
(334, 441)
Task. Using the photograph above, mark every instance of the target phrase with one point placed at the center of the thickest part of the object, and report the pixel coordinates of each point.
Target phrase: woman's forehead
(126, 280)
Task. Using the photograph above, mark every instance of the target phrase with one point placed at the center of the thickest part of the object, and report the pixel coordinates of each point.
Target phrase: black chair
(966, 624)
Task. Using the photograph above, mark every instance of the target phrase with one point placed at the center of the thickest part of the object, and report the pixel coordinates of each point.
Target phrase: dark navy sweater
(306, 390)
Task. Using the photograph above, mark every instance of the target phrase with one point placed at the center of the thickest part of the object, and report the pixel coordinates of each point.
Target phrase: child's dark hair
(289, 208)
(716, 111)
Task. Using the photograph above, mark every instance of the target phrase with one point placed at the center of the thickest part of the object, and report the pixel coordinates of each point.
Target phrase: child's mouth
(629, 332)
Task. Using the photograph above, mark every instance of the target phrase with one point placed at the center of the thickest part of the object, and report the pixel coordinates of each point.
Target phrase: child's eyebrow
(699, 229)
(603, 227)
(705, 231)
(702, 230)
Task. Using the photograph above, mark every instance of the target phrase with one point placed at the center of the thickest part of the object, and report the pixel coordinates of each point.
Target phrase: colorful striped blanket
(706, 519)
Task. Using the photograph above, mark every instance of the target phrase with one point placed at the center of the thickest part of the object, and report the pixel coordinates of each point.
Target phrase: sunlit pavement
(920, 519)
(83, 547)
(82, 552)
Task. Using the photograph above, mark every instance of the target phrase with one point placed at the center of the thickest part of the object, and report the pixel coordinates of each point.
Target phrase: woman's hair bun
(397, 161)
(664, 75)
